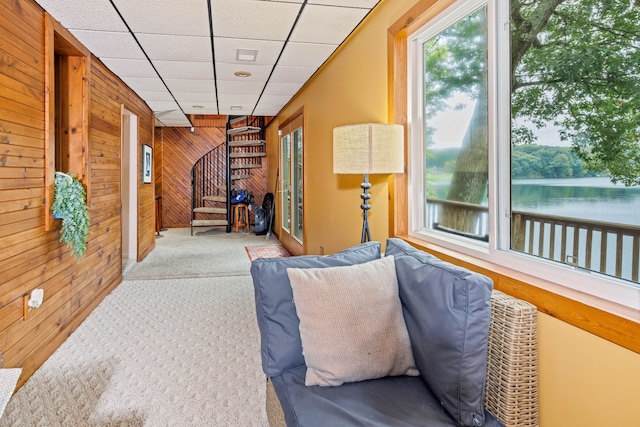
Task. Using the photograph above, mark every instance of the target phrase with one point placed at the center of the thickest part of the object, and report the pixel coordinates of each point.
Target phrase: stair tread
(243, 130)
(238, 119)
(208, 222)
(240, 176)
(246, 143)
(215, 198)
(211, 210)
(246, 155)
(246, 166)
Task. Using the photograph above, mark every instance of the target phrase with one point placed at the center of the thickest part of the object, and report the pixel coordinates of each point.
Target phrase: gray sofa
(474, 348)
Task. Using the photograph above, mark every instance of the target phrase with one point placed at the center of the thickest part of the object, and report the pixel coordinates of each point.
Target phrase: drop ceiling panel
(163, 17)
(176, 48)
(306, 54)
(259, 73)
(174, 60)
(284, 74)
(107, 44)
(239, 86)
(152, 95)
(184, 70)
(286, 89)
(163, 105)
(326, 24)
(144, 83)
(74, 14)
(182, 85)
(268, 50)
(130, 67)
(195, 98)
(347, 3)
(245, 19)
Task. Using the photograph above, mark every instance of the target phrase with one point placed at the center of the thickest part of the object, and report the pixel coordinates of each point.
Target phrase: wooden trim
(610, 321)
(49, 120)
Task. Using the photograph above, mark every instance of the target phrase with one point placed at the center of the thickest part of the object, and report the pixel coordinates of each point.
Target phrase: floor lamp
(371, 148)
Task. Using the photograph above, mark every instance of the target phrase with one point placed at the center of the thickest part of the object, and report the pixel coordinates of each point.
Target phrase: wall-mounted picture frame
(147, 157)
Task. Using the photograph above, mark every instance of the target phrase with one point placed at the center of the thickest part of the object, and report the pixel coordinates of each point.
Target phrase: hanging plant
(70, 204)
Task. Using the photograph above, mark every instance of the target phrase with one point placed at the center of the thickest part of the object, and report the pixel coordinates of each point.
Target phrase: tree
(574, 63)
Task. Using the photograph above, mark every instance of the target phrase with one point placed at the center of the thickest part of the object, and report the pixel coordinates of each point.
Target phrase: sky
(451, 125)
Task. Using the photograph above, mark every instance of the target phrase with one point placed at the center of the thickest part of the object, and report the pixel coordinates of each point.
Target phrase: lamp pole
(365, 196)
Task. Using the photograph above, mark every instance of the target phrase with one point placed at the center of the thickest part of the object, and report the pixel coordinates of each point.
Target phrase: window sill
(606, 319)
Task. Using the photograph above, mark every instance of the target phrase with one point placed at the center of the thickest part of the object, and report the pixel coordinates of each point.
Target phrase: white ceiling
(180, 56)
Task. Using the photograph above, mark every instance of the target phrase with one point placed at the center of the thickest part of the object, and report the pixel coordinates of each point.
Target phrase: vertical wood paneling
(31, 257)
(181, 149)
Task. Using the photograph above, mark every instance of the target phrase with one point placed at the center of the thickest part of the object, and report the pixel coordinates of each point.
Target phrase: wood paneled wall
(180, 150)
(31, 257)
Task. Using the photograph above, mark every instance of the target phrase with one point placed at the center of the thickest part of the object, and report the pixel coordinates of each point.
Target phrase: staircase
(217, 173)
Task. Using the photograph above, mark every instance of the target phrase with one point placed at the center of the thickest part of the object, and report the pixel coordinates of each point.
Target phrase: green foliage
(70, 205)
(527, 161)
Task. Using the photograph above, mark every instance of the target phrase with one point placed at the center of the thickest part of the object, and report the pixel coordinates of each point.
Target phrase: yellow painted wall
(585, 380)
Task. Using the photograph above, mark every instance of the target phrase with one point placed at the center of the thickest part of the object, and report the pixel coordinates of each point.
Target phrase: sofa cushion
(281, 348)
(351, 323)
(447, 311)
(401, 401)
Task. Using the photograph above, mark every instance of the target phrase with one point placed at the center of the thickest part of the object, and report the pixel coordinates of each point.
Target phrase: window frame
(551, 288)
(59, 41)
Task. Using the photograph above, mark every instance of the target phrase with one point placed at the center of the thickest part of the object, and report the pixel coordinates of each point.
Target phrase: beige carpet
(160, 351)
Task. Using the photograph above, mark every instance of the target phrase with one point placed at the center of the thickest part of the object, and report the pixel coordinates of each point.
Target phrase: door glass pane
(455, 124)
(286, 182)
(296, 189)
(575, 159)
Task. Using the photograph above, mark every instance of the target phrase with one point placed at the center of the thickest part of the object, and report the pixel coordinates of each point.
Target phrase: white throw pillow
(351, 323)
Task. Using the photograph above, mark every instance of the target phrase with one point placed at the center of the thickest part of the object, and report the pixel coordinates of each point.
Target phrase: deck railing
(607, 248)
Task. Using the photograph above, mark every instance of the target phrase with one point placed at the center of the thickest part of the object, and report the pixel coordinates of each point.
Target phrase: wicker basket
(511, 389)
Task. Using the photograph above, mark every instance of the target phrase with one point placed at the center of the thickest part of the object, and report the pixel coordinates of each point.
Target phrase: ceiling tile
(288, 89)
(163, 17)
(326, 24)
(268, 51)
(346, 3)
(195, 98)
(182, 85)
(144, 83)
(176, 48)
(74, 14)
(208, 108)
(253, 19)
(306, 54)
(184, 70)
(239, 86)
(153, 95)
(163, 105)
(130, 67)
(259, 73)
(284, 74)
(231, 98)
(106, 44)
(244, 108)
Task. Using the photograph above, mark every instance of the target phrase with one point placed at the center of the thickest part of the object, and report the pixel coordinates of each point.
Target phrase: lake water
(586, 198)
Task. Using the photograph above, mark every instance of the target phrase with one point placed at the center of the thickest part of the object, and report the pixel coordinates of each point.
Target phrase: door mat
(268, 251)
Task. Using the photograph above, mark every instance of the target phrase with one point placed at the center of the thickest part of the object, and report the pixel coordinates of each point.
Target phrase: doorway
(129, 188)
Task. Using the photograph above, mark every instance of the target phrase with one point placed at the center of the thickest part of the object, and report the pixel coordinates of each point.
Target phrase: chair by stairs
(216, 174)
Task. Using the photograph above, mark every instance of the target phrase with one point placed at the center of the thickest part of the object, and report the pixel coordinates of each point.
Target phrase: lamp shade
(371, 148)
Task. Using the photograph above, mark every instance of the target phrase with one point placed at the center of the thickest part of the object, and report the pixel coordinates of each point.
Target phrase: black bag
(265, 209)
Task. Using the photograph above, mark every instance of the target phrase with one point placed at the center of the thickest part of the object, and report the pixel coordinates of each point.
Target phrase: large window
(524, 138)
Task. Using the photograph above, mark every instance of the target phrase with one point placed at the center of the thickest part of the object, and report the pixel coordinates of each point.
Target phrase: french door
(291, 167)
